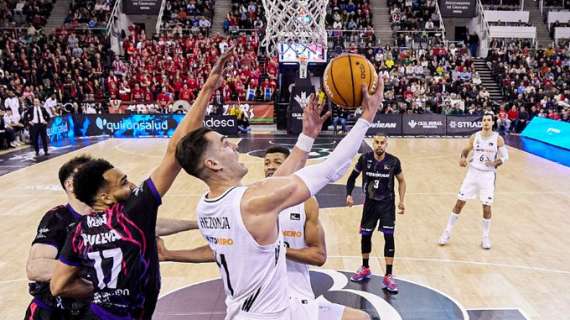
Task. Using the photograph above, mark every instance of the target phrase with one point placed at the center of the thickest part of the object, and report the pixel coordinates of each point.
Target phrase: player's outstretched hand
(312, 118)
(463, 162)
(216, 74)
(371, 103)
(401, 208)
(349, 201)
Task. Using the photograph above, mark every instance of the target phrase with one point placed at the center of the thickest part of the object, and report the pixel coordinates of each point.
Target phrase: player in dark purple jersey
(46, 247)
(379, 169)
(116, 244)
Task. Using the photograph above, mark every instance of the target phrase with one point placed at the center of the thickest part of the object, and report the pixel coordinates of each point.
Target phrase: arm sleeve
(334, 167)
(351, 182)
(398, 167)
(51, 231)
(142, 206)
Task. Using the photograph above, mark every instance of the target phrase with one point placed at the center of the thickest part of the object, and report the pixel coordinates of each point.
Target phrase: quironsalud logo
(100, 123)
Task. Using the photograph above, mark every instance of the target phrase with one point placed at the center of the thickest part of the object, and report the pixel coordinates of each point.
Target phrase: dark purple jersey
(378, 176)
(117, 249)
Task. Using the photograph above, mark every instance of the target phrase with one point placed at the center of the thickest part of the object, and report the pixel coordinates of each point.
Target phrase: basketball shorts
(480, 184)
(382, 213)
(315, 309)
(38, 310)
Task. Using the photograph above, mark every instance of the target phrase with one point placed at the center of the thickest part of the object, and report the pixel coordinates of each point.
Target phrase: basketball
(344, 76)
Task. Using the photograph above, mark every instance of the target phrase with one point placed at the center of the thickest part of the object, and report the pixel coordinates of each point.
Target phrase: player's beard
(379, 152)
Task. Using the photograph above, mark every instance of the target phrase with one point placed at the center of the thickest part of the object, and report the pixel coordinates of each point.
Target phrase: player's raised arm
(198, 255)
(466, 150)
(164, 175)
(274, 194)
(315, 253)
(166, 227)
(312, 125)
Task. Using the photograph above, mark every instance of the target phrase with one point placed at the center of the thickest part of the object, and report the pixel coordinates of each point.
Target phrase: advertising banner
(387, 124)
(299, 99)
(463, 125)
(130, 126)
(457, 8)
(549, 131)
(423, 124)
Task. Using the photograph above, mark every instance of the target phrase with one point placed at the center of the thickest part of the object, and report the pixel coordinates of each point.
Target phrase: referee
(379, 169)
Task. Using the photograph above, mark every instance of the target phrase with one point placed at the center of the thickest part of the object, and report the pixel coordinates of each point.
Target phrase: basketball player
(489, 152)
(305, 241)
(50, 237)
(240, 222)
(116, 244)
(378, 171)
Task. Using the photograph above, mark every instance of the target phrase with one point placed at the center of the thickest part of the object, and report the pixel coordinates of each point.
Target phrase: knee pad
(389, 245)
(366, 243)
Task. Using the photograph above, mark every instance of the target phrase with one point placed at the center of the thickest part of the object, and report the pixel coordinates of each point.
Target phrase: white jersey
(484, 149)
(254, 276)
(292, 224)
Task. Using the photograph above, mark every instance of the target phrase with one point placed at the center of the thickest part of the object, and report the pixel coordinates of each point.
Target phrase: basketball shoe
(390, 284)
(361, 274)
(444, 239)
(486, 243)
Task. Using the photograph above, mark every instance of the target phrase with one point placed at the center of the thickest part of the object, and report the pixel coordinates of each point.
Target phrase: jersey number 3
(98, 257)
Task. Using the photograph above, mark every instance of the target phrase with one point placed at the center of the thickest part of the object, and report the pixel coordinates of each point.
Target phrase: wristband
(305, 143)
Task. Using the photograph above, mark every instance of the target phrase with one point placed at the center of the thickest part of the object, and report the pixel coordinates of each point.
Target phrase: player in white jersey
(305, 241)
(489, 152)
(241, 222)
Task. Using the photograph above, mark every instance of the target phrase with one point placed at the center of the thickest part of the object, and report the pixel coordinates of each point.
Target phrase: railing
(441, 26)
(113, 17)
(160, 14)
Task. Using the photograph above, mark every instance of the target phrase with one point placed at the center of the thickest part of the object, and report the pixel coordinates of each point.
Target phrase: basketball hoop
(303, 63)
(294, 21)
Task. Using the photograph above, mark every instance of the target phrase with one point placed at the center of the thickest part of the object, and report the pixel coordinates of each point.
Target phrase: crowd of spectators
(436, 80)
(182, 15)
(350, 24)
(69, 65)
(536, 80)
(25, 13)
(172, 67)
(415, 23)
(245, 15)
(89, 13)
(559, 4)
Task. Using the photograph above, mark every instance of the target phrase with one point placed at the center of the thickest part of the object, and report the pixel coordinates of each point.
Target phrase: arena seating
(92, 13)
(25, 13)
(195, 16)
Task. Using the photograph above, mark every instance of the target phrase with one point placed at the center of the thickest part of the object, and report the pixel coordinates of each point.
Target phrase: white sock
(486, 227)
(453, 217)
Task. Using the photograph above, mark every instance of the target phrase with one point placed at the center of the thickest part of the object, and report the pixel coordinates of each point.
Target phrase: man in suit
(38, 118)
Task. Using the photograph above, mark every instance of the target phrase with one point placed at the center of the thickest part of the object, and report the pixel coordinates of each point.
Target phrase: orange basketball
(344, 77)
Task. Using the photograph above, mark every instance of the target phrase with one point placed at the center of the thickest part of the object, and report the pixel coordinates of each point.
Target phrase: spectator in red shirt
(164, 99)
(503, 122)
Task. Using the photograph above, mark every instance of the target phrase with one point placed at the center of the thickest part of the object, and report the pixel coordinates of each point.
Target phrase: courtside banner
(463, 125)
(387, 124)
(423, 124)
(144, 125)
(549, 131)
(61, 128)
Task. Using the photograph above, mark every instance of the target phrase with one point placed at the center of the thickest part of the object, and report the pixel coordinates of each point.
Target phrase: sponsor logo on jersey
(42, 233)
(100, 238)
(96, 221)
(295, 216)
(220, 241)
(292, 234)
(215, 223)
(378, 175)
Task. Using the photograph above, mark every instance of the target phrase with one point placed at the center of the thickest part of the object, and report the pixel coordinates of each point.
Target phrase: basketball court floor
(526, 275)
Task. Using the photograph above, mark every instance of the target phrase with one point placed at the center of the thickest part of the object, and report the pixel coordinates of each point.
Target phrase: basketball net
(299, 22)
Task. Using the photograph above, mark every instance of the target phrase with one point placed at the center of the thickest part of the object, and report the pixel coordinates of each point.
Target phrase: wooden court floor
(528, 267)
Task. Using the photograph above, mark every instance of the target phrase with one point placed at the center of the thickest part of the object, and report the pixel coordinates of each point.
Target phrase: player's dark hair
(278, 149)
(489, 114)
(88, 180)
(190, 150)
(69, 167)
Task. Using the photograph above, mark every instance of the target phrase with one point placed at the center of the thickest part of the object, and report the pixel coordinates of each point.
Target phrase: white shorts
(478, 183)
(315, 309)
